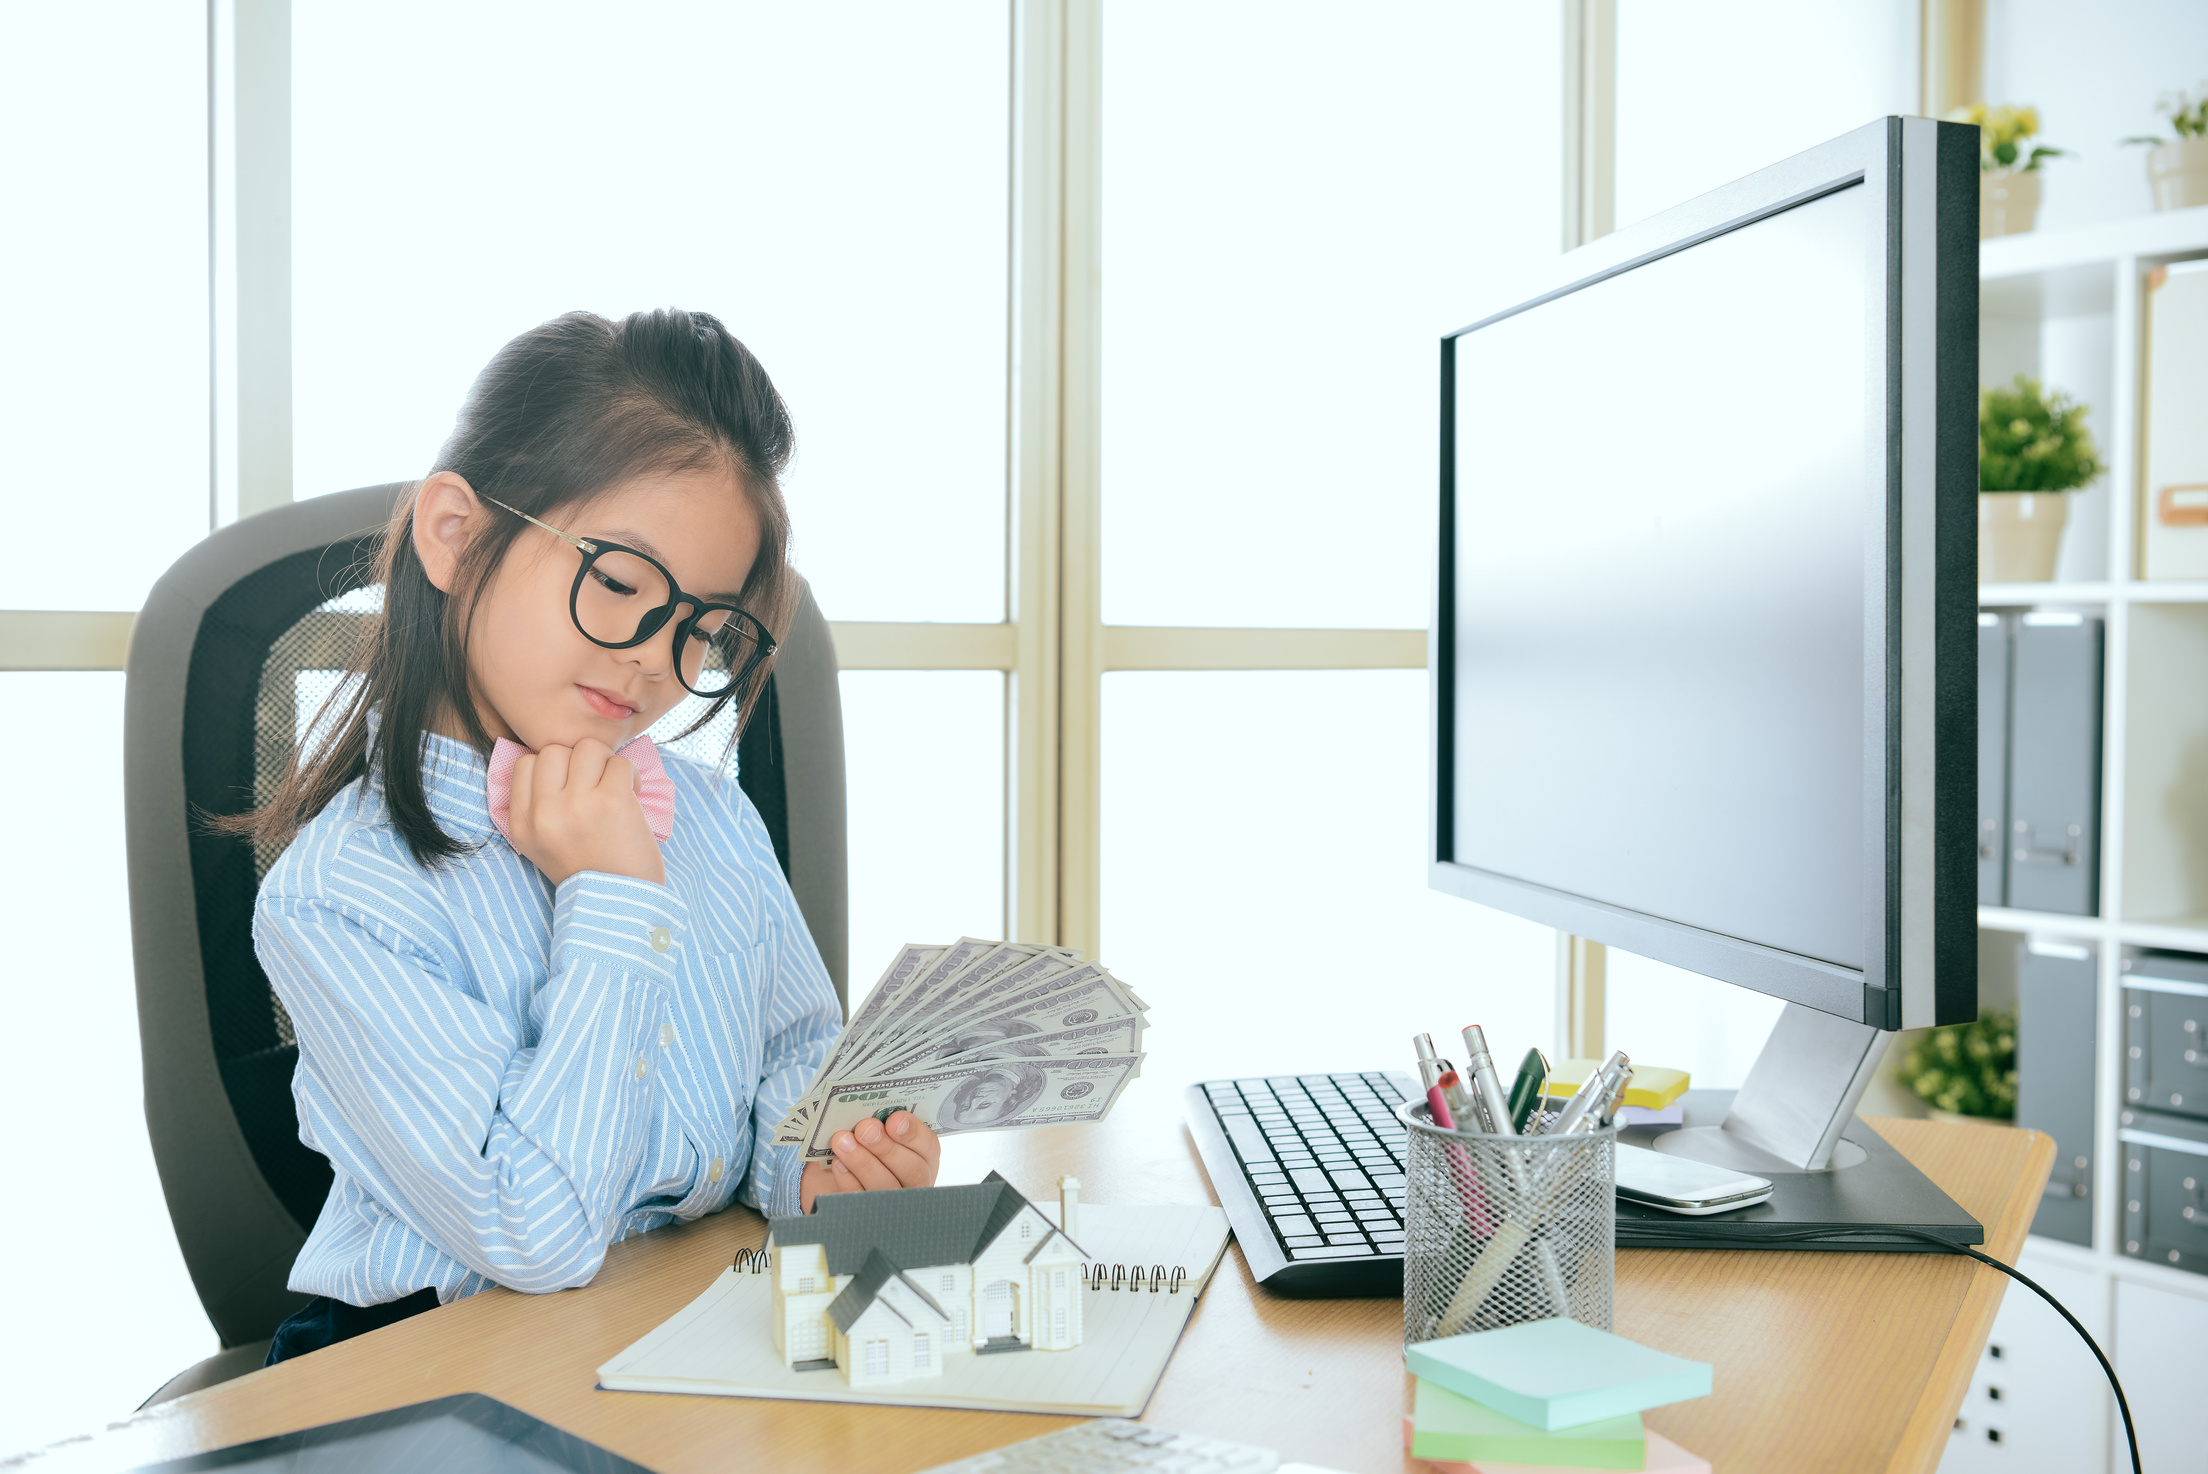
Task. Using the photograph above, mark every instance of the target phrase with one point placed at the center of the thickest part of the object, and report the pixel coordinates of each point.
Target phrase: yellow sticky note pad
(1652, 1086)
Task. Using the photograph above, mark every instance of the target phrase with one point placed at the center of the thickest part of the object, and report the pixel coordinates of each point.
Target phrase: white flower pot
(2019, 533)
(2178, 173)
(2008, 202)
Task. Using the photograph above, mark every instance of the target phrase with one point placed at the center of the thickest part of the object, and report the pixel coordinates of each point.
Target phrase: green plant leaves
(1967, 1069)
(2031, 440)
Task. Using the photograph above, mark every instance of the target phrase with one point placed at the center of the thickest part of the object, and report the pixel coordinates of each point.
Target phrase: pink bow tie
(655, 791)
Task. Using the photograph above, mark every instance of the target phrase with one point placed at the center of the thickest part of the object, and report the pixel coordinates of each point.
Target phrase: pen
(1583, 1111)
(1461, 1105)
(1429, 1068)
(1493, 1110)
(1525, 1091)
(1438, 1105)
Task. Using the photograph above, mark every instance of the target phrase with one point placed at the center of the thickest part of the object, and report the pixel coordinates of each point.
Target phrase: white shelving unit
(2066, 308)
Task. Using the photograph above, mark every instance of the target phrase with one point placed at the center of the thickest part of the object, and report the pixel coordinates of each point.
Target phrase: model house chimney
(1069, 1207)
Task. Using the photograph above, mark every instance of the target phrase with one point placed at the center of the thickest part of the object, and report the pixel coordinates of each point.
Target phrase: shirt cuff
(781, 1172)
(632, 923)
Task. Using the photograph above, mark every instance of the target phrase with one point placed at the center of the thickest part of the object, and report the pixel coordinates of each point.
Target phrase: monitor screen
(1667, 487)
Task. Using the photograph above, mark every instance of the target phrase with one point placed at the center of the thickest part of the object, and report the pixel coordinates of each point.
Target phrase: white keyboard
(1110, 1445)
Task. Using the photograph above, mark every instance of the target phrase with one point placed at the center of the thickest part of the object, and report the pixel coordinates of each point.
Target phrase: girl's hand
(905, 1153)
(575, 808)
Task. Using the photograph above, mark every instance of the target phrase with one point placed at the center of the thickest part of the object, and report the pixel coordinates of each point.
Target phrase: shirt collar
(453, 781)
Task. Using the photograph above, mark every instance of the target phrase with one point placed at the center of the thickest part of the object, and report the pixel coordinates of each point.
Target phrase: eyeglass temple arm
(582, 544)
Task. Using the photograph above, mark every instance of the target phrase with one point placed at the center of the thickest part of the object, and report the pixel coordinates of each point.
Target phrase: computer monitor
(1703, 646)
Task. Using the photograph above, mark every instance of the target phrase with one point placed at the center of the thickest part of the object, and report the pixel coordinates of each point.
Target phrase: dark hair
(563, 413)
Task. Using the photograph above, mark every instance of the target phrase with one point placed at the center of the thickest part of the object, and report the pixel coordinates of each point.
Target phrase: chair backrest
(237, 646)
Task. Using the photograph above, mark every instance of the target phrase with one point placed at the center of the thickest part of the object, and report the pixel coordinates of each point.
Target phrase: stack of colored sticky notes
(1651, 1092)
(1550, 1394)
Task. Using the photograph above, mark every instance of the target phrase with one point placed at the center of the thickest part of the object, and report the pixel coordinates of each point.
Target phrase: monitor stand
(1794, 1122)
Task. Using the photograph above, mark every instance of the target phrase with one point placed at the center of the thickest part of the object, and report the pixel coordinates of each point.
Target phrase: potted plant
(2033, 448)
(2008, 175)
(1965, 1070)
(2177, 168)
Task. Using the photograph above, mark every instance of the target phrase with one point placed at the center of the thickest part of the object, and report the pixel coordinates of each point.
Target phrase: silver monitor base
(1800, 1095)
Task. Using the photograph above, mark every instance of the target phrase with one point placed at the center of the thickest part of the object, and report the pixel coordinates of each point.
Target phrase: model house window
(806, 1284)
(877, 1358)
(1058, 1282)
(1058, 1321)
(1027, 1230)
(950, 1283)
(920, 1352)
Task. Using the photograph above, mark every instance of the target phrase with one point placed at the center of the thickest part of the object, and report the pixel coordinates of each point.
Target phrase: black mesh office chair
(238, 644)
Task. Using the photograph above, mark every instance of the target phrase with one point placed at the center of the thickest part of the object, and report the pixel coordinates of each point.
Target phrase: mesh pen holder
(1504, 1229)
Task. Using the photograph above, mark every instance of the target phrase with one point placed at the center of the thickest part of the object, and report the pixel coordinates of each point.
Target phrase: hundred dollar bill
(1087, 986)
(899, 1036)
(893, 981)
(1019, 1040)
(1048, 1006)
(922, 989)
(994, 1095)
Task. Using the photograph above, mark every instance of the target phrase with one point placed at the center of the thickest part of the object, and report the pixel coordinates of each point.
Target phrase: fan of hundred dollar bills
(977, 1036)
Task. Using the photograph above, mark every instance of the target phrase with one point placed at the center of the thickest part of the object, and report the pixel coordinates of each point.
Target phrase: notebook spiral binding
(1130, 1277)
(751, 1261)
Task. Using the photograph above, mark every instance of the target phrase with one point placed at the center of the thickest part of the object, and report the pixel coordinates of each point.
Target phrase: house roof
(866, 1287)
(873, 1236)
(915, 1227)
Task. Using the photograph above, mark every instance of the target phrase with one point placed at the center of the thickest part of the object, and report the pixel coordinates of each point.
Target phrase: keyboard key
(1293, 1223)
(1302, 1241)
(1348, 1179)
(1248, 1140)
(1326, 1252)
(1311, 1180)
(1355, 1239)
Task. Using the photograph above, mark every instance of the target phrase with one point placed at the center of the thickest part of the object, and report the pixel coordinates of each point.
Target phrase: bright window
(1709, 90)
(1299, 200)
(923, 1353)
(831, 181)
(103, 398)
(1293, 802)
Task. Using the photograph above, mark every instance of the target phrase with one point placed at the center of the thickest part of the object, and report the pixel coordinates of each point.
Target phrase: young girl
(550, 988)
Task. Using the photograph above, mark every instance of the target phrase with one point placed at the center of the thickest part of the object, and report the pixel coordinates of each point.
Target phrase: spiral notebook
(722, 1344)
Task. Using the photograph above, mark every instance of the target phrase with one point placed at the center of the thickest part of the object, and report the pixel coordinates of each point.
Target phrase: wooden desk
(1823, 1361)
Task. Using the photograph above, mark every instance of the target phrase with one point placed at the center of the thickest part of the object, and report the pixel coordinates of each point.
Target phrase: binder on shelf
(1993, 758)
(2173, 492)
(2166, 1033)
(2165, 1162)
(2055, 764)
(2055, 987)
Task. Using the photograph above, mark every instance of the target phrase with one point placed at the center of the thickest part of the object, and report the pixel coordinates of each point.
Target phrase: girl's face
(536, 679)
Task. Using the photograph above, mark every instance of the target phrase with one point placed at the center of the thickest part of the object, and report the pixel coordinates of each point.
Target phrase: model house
(889, 1285)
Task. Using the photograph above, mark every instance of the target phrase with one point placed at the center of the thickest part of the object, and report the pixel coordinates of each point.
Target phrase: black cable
(1648, 1230)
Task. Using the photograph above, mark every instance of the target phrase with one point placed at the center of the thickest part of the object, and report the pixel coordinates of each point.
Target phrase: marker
(1525, 1091)
(1494, 1110)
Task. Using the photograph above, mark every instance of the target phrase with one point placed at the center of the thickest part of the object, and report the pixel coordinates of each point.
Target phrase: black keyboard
(1310, 1171)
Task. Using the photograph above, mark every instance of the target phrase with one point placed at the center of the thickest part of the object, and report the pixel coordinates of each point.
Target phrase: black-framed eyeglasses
(622, 597)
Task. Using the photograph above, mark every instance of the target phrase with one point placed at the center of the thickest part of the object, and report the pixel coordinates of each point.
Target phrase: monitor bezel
(1919, 782)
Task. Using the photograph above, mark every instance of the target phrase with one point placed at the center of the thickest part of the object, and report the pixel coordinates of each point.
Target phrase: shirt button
(666, 1035)
(662, 939)
(642, 1069)
(713, 1173)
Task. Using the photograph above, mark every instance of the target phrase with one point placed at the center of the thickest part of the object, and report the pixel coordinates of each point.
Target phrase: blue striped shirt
(508, 1076)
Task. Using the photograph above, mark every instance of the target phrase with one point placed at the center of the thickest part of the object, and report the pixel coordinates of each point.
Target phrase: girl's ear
(446, 515)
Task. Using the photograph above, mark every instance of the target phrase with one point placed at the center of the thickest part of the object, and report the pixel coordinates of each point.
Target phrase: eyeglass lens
(622, 596)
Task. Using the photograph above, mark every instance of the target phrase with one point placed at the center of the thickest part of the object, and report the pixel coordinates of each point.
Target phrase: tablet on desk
(466, 1434)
